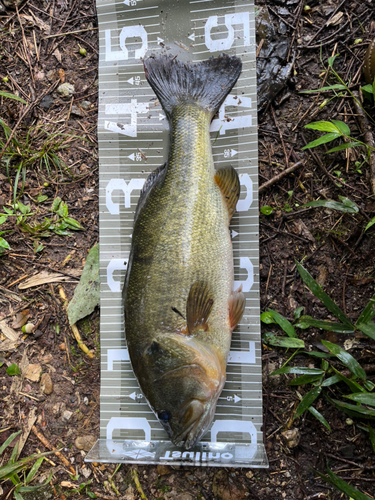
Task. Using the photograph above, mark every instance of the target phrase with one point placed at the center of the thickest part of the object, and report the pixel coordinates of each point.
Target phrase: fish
(179, 305)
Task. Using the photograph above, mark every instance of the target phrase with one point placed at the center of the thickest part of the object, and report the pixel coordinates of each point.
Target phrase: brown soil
(333, 246)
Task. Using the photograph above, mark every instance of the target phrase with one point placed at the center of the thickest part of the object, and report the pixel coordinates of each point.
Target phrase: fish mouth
(197, 416)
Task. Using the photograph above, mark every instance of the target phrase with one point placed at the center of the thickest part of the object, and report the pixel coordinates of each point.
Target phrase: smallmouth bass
(180, 308)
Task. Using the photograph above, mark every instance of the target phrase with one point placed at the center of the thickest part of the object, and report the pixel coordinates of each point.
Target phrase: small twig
(279, 176)
(69, 33)
(138, 484)
(48, 445)
(281, 136)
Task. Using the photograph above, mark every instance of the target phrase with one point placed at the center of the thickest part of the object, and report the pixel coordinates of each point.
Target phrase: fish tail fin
(206, 83)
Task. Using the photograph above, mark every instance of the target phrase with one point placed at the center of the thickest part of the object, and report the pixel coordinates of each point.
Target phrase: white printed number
(126, 34)
(242, 18)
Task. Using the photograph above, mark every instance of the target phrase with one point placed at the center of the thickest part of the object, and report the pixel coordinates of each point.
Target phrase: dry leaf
(8, 345)
(57, 54)
(21, 319)
(303, 230)
(26, 430)
(68, 484)
(42, 278)
(9, 332)
(62, 75)
(33, 372)
(335, 20)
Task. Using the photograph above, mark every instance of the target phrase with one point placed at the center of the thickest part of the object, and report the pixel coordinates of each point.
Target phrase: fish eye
(164, 415)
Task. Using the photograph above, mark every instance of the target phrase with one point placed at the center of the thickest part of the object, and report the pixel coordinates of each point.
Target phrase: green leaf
(322, 140)
(13, 370)
(34, 469)
(307, 401)
(372, 437)
(335, 379)
(55, 204)
(342, 126)
(321, 295)
(267, 318)
(12, 96)
(284, 323)
(369, 385)
(17, 496)
(368, 312)
(305, 379)
(266, 210)
(287, 342)
(4, 244)
(355, 408)
(8, 441)
(73, 224)
(352, 384)
(346, 488)
(368, 330)
(368, 88)
(41, 198)
(86, 295)
(371, 223)
(298, 370)
(3, 218)
(319, 416)
(363, 397)
(297, 312)
(331, 60)
(307, 321)
(335, 205)
(336, 86)
(346, 358)
(324, 127)
(346, 145)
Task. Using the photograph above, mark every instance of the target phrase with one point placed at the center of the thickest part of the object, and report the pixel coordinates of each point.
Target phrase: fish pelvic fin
(198, 306)
(206, 83)
(227, 180)
(236, 307)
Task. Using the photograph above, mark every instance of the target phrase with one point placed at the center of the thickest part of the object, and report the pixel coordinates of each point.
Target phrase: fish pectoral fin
(198, 306)
(227, 180)
(236, 307)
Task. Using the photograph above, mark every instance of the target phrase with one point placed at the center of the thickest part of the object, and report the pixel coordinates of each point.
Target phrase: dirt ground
(46, 44)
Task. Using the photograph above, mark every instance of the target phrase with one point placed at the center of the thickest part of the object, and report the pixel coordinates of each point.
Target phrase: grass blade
(305, 379)
(368, 330)
(319, 416)
(286, 342)
(335, 205)
(336, 86)
(307, 321)
(368, 312)
(355, 409)
(324, 127)
(342, 126)
(342, 485)
(346, 358)
(307, 401)
(298, 370)
(346, 145)
(8, 441)
(321, 295)
(12, 96)
(361, 397)
(372, 436)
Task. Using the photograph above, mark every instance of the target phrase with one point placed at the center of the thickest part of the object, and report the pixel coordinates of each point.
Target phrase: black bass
(180, 308)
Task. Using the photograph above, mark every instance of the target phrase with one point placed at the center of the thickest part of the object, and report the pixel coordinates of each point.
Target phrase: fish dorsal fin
(198, 307)
(227, 180)
(236, 307)
(148, 185)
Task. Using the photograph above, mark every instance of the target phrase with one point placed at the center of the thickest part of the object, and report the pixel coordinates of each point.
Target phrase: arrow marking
(131, 81)
(192, 37)
(132, 156)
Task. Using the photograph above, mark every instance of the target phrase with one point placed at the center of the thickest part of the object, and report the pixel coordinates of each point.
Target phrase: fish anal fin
(198, 306)
(236, 307)
(227, 180)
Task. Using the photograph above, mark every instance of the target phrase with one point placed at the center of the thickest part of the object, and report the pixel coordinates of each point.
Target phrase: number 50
(230, 20)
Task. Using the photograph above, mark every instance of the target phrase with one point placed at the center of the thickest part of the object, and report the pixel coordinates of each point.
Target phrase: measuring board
(133, 141)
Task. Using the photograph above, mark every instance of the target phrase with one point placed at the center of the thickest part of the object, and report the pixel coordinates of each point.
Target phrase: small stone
(47, 102)
(85, 442)
(46, 384)
(65, 89)
(291, 438)
(76, 111)
(86, 400)
(62, 346)
(53, 75)
(85, 105)
(33, 372)
(249, 474)
(163, 470)
(86, 472)
(40, 75)
(67, 415)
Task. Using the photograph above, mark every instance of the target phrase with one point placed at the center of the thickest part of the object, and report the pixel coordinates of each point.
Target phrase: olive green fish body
(179, 304)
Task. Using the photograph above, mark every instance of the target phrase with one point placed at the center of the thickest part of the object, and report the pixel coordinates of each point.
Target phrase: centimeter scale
(133, 141)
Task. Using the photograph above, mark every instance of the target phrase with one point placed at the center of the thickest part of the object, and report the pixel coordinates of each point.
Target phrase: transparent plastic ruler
(133, 141)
